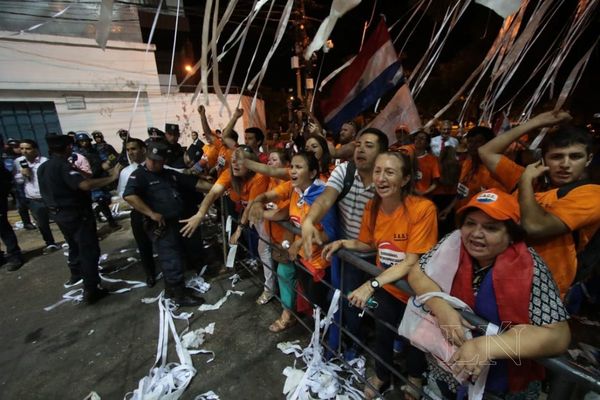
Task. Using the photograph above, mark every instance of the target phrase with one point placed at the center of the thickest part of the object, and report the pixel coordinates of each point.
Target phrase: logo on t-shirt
(419, 175)
(389, 254)
(400, 237)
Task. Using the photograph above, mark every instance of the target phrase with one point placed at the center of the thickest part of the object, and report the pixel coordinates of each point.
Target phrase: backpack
(348, 181)
(589, 258)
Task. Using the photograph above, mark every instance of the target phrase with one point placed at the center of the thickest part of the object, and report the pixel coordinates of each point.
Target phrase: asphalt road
(108, 347)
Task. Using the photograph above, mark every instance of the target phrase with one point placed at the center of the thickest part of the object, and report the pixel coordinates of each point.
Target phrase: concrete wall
(50, 62)
(37, 67)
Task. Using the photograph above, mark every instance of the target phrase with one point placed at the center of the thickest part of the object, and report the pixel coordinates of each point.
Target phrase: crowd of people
(497, 225)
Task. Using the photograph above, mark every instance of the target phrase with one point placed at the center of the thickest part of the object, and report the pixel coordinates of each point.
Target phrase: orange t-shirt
(276, 231)
(411, 228)
(224, 159)
(579, 210)
(250, 189)
(428, 171)
(472, 182)
(211, 154)
(298, 211)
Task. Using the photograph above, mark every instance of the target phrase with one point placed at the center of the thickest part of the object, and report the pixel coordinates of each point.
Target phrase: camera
(24, 164)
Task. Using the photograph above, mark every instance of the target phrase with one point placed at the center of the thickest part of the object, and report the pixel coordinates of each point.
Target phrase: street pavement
(75, 349)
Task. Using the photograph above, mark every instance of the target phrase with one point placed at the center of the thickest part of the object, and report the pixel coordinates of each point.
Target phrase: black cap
(12, 142)
(157, 151)
(59, 140)
(172, 129)
(155, 132)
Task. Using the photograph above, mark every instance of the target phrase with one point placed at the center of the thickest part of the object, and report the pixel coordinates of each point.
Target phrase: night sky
(464, 50)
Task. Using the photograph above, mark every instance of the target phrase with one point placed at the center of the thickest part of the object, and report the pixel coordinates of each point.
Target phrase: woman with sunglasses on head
(399, 226)
(302, 189)
(245, 185)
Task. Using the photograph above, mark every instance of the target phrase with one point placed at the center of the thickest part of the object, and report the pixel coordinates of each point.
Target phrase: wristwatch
(374, 283)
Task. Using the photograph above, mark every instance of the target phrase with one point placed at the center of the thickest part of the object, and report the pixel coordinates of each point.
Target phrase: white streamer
(103, 24)
(283, 22)
(137, 96)
(321, 378)
(218, 304)
(166, 380)
(338, 9)
(36, 26)
(172, 60)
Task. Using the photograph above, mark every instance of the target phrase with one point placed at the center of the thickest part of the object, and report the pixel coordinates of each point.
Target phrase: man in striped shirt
(369, 144)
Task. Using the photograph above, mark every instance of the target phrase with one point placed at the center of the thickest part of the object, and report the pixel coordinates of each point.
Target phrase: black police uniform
(13, 251)
(175, 156)
(71, 209)
(161, 191)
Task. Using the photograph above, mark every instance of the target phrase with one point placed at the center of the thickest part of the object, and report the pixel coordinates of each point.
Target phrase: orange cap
(495, 203)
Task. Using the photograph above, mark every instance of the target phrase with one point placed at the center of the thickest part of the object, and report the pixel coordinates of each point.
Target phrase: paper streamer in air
(103, 24)
(503, 8)
(338, 8)
(283, 22)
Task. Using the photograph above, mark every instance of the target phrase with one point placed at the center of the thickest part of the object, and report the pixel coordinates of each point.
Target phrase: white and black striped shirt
(352, 206)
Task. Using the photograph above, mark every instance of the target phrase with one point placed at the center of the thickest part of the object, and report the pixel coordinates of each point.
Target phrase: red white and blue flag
(374, 71)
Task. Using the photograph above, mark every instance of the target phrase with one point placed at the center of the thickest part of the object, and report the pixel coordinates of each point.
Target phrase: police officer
(156, 192)
(101, 196)
(13, 259)
(105, 150)
(175, 153)
(123, 135)
(66, 193)
(155, 135)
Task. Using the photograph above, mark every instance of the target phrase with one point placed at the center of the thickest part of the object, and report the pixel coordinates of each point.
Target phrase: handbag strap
(453, 301)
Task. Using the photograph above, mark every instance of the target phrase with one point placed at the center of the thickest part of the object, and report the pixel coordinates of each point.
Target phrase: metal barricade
(566, 374)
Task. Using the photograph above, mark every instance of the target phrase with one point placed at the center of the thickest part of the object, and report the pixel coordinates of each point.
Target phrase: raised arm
(264, 169)
(231, 124)
(204, 121)
(491, 152)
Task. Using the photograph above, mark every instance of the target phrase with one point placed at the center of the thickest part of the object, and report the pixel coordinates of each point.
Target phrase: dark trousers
(352, 278)
(391, 310)
(144, 244)
(78, 226)
(103, 208)
(170, 254)
(42, 219)
(6, 232)
(315, 292)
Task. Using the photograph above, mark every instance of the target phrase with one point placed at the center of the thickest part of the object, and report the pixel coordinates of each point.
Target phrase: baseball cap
(172, 129)
(155, 132)
(157, 151)
(497, 204)
(97, 133)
